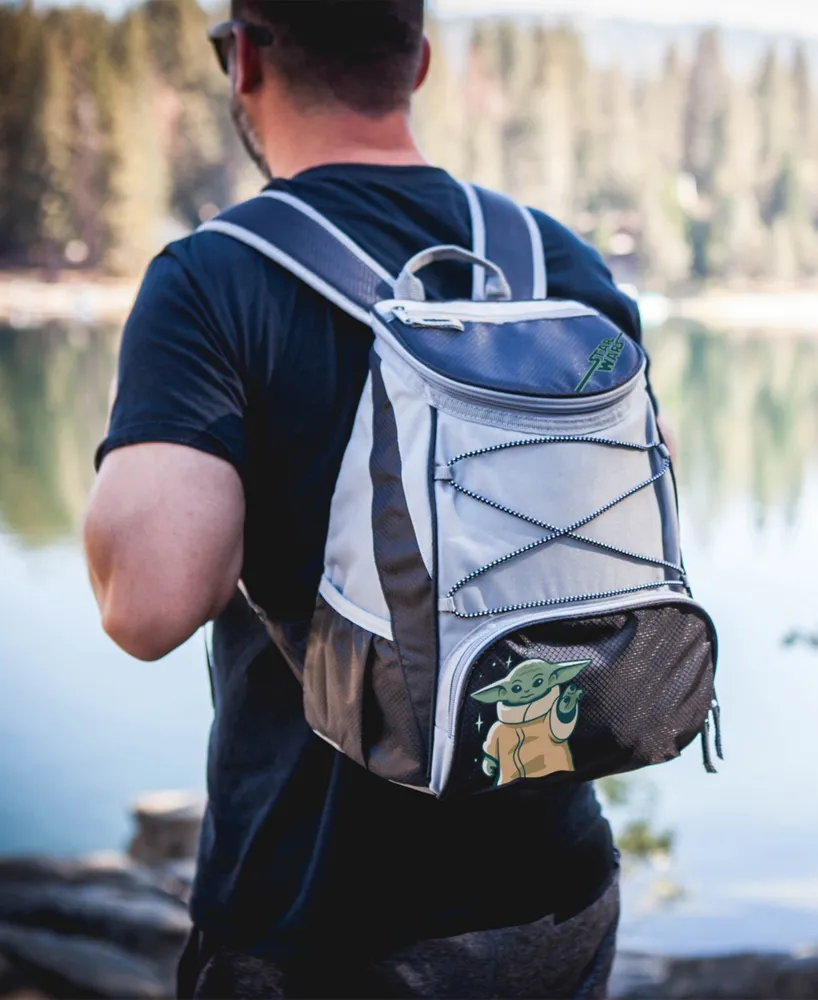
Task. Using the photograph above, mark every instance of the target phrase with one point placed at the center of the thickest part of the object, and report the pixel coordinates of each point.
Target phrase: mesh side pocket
(356, 696)
(584, 698)
(392, 739)
(334, 669)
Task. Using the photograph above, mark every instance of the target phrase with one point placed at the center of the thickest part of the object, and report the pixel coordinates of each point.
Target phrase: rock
(142, 922)
(111, 869)
(168, 825)
(106, 898)
(108, 925)
(633, 972)
(64, 965)
(730, 977)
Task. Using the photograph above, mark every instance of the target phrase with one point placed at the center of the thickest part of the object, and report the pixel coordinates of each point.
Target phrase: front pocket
(582, 698)
(356, 697)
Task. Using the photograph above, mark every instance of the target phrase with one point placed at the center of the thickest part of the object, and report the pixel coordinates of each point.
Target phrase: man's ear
(425, 62)
(247, 68)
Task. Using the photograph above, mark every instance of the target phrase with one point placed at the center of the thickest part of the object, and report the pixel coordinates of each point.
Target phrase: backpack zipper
(512, 312)
(428, 322)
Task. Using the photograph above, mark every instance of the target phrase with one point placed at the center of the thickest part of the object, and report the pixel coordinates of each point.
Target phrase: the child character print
(535, 719)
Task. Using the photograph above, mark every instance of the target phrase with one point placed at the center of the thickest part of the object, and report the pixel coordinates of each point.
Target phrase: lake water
(84, 728)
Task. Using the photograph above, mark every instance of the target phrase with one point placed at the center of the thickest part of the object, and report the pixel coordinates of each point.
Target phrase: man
(237, 389)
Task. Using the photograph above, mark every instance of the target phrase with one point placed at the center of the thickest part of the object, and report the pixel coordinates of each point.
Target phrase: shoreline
(28, 300)
(113, 923)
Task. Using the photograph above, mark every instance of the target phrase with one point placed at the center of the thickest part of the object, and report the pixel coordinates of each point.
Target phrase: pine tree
(21, 82)
(806, 126)
(737, 243)
(56, 129)
(138, 180)
(546, 176)
(196, 98)
(485, 109)
(778, 179)
(776, 105)
(704, 134)
(440, 118)
(704, 111)
(805, 161)
(663, 249)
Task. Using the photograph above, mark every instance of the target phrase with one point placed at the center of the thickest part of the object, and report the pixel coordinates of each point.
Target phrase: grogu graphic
(534, 720)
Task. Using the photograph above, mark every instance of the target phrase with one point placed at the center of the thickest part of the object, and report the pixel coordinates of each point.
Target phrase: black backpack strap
(507, 234)
(300, 239)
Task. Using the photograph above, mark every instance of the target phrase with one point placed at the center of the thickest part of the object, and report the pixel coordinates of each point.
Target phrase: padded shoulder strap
(507, 234)
(294, 235)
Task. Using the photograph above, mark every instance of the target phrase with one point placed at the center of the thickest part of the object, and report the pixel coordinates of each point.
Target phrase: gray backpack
(503, 598)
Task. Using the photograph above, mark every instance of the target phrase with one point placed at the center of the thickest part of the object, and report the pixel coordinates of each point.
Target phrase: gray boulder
(103, 927)
(62, 965)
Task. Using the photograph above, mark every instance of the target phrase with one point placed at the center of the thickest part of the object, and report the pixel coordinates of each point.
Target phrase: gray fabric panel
(508, 241)
(413, 417)
(557, 484)
(349, 556)
(406, 582)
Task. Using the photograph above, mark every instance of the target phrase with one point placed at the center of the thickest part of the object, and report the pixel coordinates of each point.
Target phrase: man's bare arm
(163, 537)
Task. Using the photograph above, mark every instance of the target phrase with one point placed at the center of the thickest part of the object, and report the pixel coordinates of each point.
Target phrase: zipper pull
(706, 758)
(428, 322)
(715, 708)
(715, 711)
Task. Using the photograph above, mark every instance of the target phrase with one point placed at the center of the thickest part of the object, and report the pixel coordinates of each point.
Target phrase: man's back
(300, 844)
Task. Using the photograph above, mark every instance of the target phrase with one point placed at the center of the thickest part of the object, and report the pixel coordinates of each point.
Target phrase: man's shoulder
(577, 270)
(222, 280)
(214, 258)
(559, 237)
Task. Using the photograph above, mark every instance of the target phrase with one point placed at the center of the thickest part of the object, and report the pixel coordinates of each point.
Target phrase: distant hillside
(641, 46)
(684, 156)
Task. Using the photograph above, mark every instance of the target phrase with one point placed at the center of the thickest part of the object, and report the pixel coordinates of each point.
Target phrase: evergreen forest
(115, 137)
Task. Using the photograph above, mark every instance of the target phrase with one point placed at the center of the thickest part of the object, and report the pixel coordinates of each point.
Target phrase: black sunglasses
(221, 37)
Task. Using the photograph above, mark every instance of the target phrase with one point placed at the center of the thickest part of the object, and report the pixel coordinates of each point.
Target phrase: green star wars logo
(603, 358)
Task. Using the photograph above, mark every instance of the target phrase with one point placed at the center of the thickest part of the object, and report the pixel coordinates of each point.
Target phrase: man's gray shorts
(569, 960)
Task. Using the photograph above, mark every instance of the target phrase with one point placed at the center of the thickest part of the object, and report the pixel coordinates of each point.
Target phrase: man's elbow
(151, 624)
(145, 637)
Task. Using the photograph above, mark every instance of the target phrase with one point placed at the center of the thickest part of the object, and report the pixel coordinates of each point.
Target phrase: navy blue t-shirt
(303, 852)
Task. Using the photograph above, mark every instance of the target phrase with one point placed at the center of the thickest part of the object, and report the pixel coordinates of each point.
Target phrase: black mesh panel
(644, 697)
(356, 695)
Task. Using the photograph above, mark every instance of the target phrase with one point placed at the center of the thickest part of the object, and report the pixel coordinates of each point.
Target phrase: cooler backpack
(503, 597)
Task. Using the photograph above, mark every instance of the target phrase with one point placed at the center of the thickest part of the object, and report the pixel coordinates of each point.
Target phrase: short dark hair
(363, 54)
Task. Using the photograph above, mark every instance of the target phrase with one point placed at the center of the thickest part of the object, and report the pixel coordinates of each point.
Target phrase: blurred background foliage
(115, 136)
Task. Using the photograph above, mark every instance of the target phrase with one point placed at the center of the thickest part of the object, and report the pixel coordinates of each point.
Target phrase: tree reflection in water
(744, 409)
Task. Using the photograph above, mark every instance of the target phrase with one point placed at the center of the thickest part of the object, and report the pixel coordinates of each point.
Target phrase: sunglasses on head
(221, 37)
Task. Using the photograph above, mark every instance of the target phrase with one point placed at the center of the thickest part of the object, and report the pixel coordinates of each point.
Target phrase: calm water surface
(84, 728)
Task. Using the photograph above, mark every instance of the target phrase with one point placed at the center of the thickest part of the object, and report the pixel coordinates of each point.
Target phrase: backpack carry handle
(410, 287)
